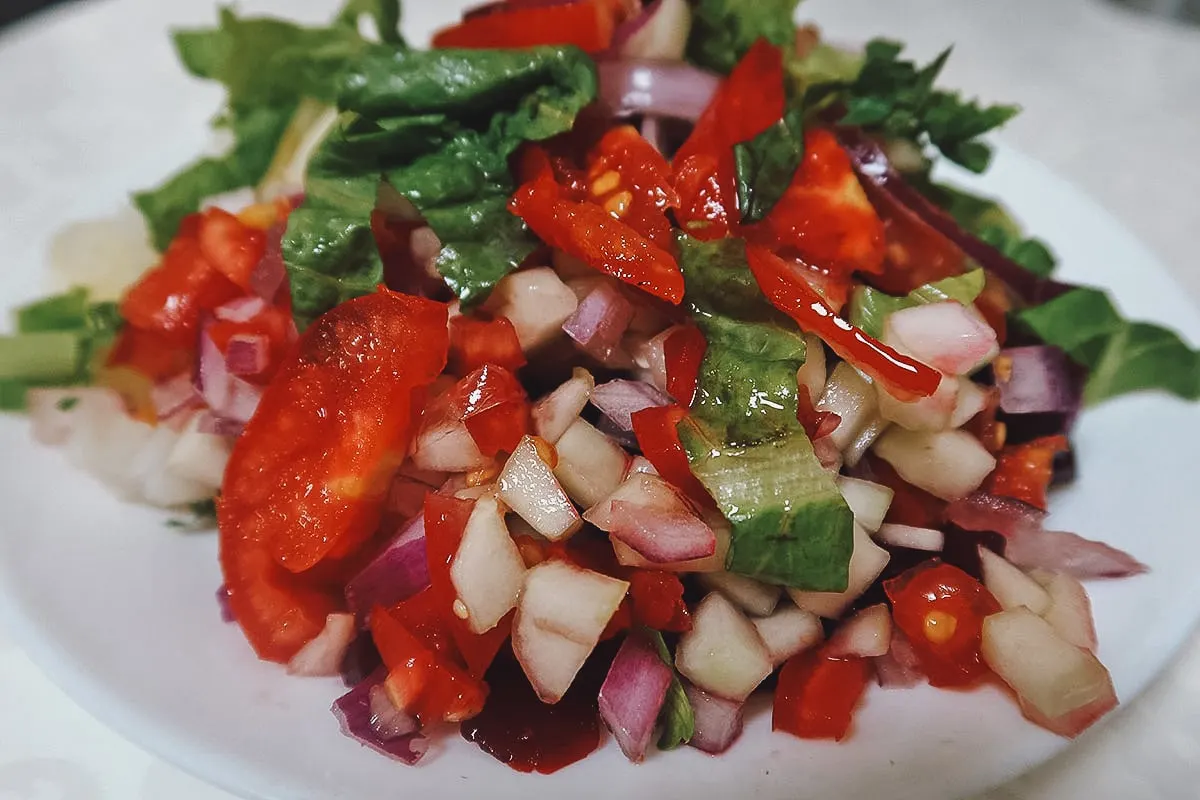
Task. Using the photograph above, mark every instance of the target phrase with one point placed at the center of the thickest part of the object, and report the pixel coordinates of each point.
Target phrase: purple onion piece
(600, 321)
(361, 660)
(396, 574)
(620, 399)
(246, 354)
(718, 721)
(354, 713)
(656, 88)
(1035, 380)
(387, 721)
(633, 694)
(223, 604)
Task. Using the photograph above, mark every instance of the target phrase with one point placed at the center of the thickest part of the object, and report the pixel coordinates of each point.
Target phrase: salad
(600, 366)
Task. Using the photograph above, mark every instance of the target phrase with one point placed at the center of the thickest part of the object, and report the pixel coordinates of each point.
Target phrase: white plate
(119, 609)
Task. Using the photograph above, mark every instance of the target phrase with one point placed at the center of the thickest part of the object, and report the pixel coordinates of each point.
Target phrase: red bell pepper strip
(748, 102)
(598, 237)
(626, 173)
(658, 438)
(683, 352)
(1024, 471)
(475, 342)
(941, 610)
(817, 695)
(587, 24)
(791, 294)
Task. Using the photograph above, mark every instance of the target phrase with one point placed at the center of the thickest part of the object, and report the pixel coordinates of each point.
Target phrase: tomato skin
(657, 600)
(304, 484)
(492, 404)
(476, 342)
(1024, 471)
(791, 294)
(587, 24)
(626, 170)
(655, 429)
(232, 247)
(941, 610)
(684, 352)
(817, 695)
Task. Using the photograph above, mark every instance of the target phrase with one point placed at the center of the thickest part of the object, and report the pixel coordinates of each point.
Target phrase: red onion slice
(663, 537)
(620, 399)
(662, 89)
(387, 721)
(600, 321)
(899, 668)
(353, 711)
(633, 694)
(1038, 380)
(223, 604)
(396, 574)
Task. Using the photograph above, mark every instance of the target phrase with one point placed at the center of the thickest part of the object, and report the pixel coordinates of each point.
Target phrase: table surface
(1112, 102)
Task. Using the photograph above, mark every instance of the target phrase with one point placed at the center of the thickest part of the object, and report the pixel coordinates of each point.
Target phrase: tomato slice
(657, 600)
(1024, 471)
(825, 216)
(492, 404)
(475, 342)
(683, 352)
(597, 236)
(941, 610)
(587, 24)
(628, 176)
(658, 439)
(791, 294)
(304, 484)
(817, 695)
(748, 102)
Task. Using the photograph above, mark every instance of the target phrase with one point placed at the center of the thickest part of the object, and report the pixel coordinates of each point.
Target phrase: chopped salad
(602, 365)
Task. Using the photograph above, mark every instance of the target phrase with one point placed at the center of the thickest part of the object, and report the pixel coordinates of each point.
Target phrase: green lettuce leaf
(723, 30)
(444, 146)
(1121, 356)
(870, 307)
(268, 68)
(766, 164)
(677, 717)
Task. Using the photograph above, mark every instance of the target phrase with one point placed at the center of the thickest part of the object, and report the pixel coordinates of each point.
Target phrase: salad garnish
(596, 365)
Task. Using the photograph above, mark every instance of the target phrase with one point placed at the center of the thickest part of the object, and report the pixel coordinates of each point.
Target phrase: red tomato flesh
(817, 695)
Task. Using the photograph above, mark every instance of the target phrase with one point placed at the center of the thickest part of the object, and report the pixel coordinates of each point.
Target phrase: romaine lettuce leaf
(723, 30)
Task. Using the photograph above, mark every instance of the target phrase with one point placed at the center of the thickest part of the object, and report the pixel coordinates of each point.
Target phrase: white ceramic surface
(118, 609)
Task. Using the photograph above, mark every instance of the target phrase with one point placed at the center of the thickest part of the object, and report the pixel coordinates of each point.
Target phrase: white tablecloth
(1113, 103)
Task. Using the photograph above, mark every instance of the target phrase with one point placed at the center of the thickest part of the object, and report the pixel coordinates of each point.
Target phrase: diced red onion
(878, 177)
(718, 721)
(659, 31)
(270, 273)
(619, 400)
(396, 574)
(243, 309)
(1030, 546)
(243, 400)
(353, 711)
(633, 694)
(868, 634)
(1038, 380)
(174, 395)
(899, 668)
(323, 655)
(663, 537)
(246, 354)
(209, 422)
(362, 659)
(600, 321)
(387, 721)
(662, 89)
(223, 604)
(618, 434)
(227, 395)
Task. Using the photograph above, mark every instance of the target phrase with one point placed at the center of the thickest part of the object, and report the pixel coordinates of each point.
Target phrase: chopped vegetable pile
(596, 365)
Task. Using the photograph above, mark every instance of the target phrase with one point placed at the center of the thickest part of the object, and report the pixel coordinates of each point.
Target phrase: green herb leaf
(790, 524)
(67, 403)
(870, 307)
(442, 144)
(766, 164)
(677, 717)
(1121, 356)
(723, 30)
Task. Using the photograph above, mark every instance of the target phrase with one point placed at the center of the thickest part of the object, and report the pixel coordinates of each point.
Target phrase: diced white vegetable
(640, 465)
(1070, 610)
(536, 302)
(590, 465)
(868, 634)
(722, 653)
(947, 464)
(650, 357)
(52, 412)
(199, 457)
(869, 501)
(1011, 587)
(628, 557)
(488, 570)
(947, 336)
(790, 630)
(323, 656)
(555, 412)
(848, 395)
(529, 488)
(914, 538)
(972, 399)
(866, 563)
(812, 374)
(931, 413)
(863, 441)
(1062, 687)
(561, 613)
(159, 485)
(640, 488)
(447, 447)
(754, 597)
(105, 442)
